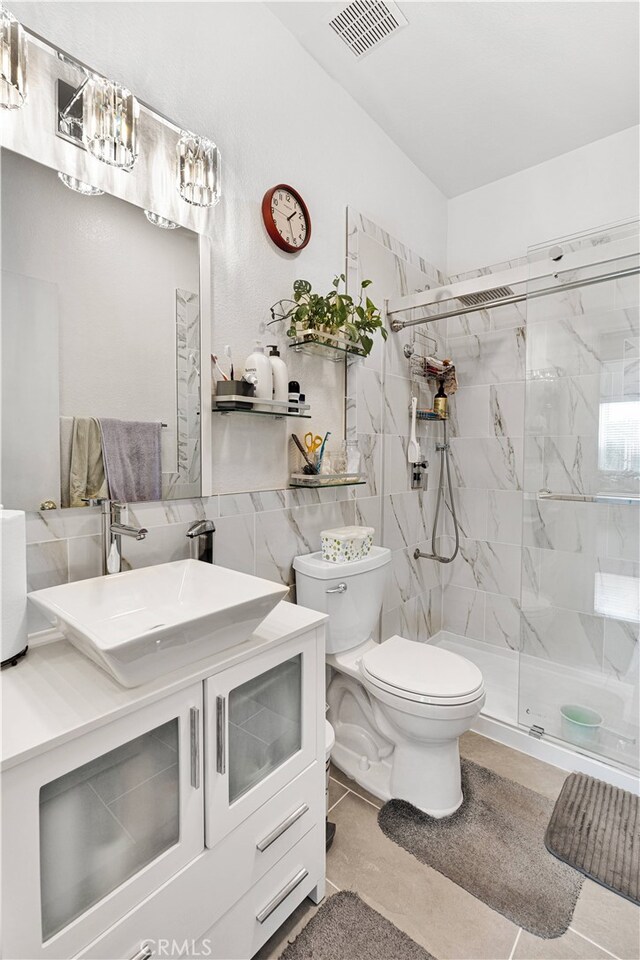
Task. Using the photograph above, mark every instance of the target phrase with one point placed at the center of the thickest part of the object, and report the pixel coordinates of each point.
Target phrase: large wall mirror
(105, 313)
(100, 319)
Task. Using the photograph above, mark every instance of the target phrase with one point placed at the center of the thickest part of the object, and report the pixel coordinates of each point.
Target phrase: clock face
(286, 218)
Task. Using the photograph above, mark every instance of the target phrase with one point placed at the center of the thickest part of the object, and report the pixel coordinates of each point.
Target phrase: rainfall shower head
(484, 296)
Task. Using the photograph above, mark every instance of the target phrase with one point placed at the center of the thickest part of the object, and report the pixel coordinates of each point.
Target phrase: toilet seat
(422, 673)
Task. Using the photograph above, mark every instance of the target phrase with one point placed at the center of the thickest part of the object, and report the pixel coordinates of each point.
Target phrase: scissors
(312, 443)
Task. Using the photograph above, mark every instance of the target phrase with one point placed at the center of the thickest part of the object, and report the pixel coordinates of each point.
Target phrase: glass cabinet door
(97, 823)
(105, 821)
(265, 725)
(261, 730)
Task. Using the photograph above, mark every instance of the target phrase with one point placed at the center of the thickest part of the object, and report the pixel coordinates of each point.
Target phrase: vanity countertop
(55, 693)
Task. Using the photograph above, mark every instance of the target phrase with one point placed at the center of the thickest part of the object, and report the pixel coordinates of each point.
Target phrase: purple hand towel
(132, 461)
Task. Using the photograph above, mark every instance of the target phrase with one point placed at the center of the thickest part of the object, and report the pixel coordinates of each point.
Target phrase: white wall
(232, 71)
(580, 190)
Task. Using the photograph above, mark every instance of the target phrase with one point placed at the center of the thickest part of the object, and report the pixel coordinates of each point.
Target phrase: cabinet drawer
(256, 917)
(266, 836)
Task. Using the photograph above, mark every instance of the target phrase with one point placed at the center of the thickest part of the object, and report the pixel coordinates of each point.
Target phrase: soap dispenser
(279, 374)
(257, 369)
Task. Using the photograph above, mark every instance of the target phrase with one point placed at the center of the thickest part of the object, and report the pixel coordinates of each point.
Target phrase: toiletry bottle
(294, 394)
(279, 374)
(440, 402)
(257, 365)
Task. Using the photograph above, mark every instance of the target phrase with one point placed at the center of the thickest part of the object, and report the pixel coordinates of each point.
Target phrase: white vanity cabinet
(92, 827)
(189, 810)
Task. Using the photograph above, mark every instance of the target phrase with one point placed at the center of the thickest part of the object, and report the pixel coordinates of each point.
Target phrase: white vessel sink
(143, 623)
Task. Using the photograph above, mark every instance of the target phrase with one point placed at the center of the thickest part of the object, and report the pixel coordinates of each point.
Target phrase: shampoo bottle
(279, 374)
(257, 366)
(440, 402)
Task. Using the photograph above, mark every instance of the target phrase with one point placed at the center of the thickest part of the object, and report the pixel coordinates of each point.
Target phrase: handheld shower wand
(443, 449)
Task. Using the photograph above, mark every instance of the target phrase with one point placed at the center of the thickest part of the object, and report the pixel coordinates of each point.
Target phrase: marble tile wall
(258, 533)
(380, 391)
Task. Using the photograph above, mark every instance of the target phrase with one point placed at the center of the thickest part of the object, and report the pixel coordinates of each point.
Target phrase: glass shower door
(580, 592)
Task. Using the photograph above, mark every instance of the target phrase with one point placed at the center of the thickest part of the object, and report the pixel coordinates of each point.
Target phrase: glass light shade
(79, 186)
(13, 62)
(110, 123)
(198, 170)
(161, 222)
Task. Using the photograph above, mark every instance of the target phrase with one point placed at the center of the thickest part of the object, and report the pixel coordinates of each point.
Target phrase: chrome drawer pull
(144, 953)
(282, 828)
(280, 897)
(194, 716)
(221, 731)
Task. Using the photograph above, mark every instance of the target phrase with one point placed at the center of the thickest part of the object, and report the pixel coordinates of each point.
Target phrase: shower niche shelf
(315, 482)
(276, 409)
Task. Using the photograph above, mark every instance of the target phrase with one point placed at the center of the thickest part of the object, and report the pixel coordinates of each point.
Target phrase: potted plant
(334, 318)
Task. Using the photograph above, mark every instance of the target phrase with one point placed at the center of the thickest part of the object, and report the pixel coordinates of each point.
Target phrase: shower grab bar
(586, 498)
(398, 325)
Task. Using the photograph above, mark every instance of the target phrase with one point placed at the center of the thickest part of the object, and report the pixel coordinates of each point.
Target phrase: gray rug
(345, 928)
(596, 829)
(493, 847)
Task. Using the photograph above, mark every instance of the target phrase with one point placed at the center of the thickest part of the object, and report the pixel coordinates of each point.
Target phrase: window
(619, 437)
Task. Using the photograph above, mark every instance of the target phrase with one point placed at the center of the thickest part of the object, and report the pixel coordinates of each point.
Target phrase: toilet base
(373, 775)
(376, 777)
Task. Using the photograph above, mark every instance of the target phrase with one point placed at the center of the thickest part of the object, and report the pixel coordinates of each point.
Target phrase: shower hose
(451, 506)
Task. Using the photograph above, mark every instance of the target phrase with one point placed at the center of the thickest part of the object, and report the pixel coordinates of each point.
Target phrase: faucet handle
(94, 501)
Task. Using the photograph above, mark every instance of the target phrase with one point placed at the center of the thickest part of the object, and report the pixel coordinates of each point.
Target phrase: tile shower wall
(481, 588)
(380, 391)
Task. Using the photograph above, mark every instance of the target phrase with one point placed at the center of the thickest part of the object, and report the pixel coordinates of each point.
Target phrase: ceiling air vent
(364, 24)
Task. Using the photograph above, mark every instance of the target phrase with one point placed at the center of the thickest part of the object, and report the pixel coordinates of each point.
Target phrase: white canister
(257, 370)
(345, 544)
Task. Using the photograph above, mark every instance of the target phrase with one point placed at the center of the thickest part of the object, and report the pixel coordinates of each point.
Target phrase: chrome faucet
(112, 532)
(200, 536)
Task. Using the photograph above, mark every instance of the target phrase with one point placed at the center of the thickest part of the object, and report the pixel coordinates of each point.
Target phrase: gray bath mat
(596, 829)
(493, 847)
(345, 928)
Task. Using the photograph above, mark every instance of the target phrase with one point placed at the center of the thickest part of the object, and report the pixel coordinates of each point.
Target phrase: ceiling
(473, 92)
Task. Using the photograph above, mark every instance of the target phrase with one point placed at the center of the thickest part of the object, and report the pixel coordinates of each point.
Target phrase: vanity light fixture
(198, 170)
(79, 186)
(13, 62)
(161, 222)
(110, 122)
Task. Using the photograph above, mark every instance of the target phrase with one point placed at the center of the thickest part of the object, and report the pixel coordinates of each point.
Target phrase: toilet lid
(422, 671)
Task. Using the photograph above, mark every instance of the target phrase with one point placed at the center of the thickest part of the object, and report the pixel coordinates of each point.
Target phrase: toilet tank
(353, 612)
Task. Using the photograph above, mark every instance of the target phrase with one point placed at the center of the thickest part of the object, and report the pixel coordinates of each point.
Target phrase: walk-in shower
(539, 481)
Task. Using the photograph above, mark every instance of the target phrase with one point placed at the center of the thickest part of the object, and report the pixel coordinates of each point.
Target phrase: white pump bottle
(257, 368)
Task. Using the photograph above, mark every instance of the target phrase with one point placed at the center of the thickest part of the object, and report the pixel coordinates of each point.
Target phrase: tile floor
(442, 917)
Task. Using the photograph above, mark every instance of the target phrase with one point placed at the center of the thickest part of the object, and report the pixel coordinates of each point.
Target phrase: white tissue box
(345, 544)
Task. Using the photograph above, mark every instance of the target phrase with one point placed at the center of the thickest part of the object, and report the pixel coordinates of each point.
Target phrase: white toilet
(398, 707)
